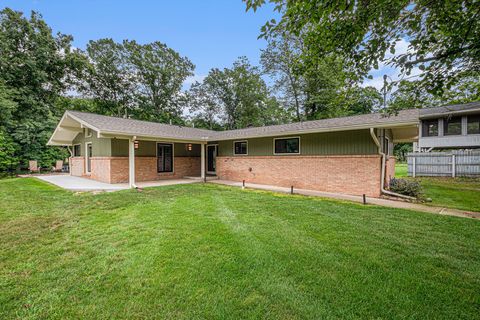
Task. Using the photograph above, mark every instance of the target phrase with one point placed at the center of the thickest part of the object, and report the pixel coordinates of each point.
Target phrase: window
(76, 150)
(473, 124)
(164, 157)
(240, 147)
(287, 146)
(88, 132)
(430, 128)
(452, 126)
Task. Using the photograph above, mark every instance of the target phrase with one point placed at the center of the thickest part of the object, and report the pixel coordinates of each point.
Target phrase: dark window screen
(473, 124)
(452, 126)
(430, 128)
(241, 147)
(290, 145)
(164, 157)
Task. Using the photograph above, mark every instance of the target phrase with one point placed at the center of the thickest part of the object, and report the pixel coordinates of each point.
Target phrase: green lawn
(215, 252)
(459, 193)
(401, 170)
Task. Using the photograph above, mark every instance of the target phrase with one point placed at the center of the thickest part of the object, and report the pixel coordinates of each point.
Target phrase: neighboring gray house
(448, 142)
(449, 127)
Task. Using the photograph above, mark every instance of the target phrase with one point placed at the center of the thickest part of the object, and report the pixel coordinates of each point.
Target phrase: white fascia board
(123, 135)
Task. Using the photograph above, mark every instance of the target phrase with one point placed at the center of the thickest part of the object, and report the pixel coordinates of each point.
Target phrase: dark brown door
(211, 159)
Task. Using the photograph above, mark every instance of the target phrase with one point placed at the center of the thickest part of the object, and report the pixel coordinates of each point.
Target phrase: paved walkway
(375, 201)
(83, 184)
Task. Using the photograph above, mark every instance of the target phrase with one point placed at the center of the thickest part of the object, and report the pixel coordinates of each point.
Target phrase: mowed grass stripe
(208, 251)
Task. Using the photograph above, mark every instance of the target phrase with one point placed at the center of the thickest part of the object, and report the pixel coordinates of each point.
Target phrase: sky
(211, 33)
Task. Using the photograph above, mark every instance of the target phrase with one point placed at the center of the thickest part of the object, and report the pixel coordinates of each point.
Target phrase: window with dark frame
(287, 146)
(452, 126)
(76, 150)
(473, 124)
(430, 128)
(164, 157)
(240, 147)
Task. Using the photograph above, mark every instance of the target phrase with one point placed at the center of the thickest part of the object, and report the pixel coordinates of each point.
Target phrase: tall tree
(443, 35)
(281, 60)
(159, 73)
(108, 78)
(35, 67)
(236, 97)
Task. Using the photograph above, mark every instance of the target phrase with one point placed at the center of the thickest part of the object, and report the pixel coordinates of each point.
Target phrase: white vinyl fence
(444, 164)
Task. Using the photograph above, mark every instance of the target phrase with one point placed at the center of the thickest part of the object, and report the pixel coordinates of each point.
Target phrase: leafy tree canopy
(35, 67)
(443, 36)
(236, 97)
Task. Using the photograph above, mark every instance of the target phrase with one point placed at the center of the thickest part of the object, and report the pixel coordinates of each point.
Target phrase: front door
(211, 159)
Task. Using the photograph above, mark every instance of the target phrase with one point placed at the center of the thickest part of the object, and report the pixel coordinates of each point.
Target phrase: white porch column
(202, 162)
(131, 162)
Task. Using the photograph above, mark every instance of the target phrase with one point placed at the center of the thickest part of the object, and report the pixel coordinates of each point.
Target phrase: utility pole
(385, 91)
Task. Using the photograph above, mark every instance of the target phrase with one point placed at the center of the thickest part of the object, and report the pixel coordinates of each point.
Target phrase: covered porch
(133, 160)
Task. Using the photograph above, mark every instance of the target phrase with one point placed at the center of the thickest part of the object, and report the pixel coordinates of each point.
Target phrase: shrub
(406, 187)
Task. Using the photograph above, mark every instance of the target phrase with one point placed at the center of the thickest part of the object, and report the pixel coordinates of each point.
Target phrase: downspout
(382, 181)
(70, 159)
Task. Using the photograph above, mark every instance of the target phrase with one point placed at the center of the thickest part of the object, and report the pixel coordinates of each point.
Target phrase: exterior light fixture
(135, 144)
(189, 147)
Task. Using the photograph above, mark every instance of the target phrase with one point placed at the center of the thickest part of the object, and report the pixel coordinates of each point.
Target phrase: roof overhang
(122, 135)
(450, 112)
(407, 124)
(70, 125)
(67, 129)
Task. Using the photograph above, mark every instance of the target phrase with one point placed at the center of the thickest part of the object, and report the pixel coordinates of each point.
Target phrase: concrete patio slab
(84, 184)
(80, 184)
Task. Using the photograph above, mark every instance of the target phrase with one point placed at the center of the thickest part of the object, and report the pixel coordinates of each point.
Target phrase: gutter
(382, 181)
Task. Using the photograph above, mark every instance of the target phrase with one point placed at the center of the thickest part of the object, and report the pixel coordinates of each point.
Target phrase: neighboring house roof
(450, 109)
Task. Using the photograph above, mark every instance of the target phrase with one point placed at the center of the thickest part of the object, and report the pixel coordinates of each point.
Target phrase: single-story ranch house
(352, 155)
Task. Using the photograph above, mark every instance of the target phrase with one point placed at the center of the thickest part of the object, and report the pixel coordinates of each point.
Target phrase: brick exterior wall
(100, 170)
(115, 169)
(350, 174)
(389, 170)
(77, 166)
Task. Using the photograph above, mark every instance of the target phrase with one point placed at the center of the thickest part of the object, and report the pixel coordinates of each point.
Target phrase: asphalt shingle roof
(139, 128)
(333, 124)
(450, 108)
(108, 124)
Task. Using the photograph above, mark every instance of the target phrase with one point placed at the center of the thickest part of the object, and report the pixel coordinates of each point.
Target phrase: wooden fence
(444, 164)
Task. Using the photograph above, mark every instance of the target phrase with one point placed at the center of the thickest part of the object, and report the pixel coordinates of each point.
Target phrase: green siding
(181, 150)
(329, 143)
(101, 147)
(148, 149)
(119, 147)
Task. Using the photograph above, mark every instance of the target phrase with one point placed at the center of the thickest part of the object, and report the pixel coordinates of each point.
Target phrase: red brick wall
(343, 174)
(115, 169)
(77, 165)
(100, 170)
(389, 169)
